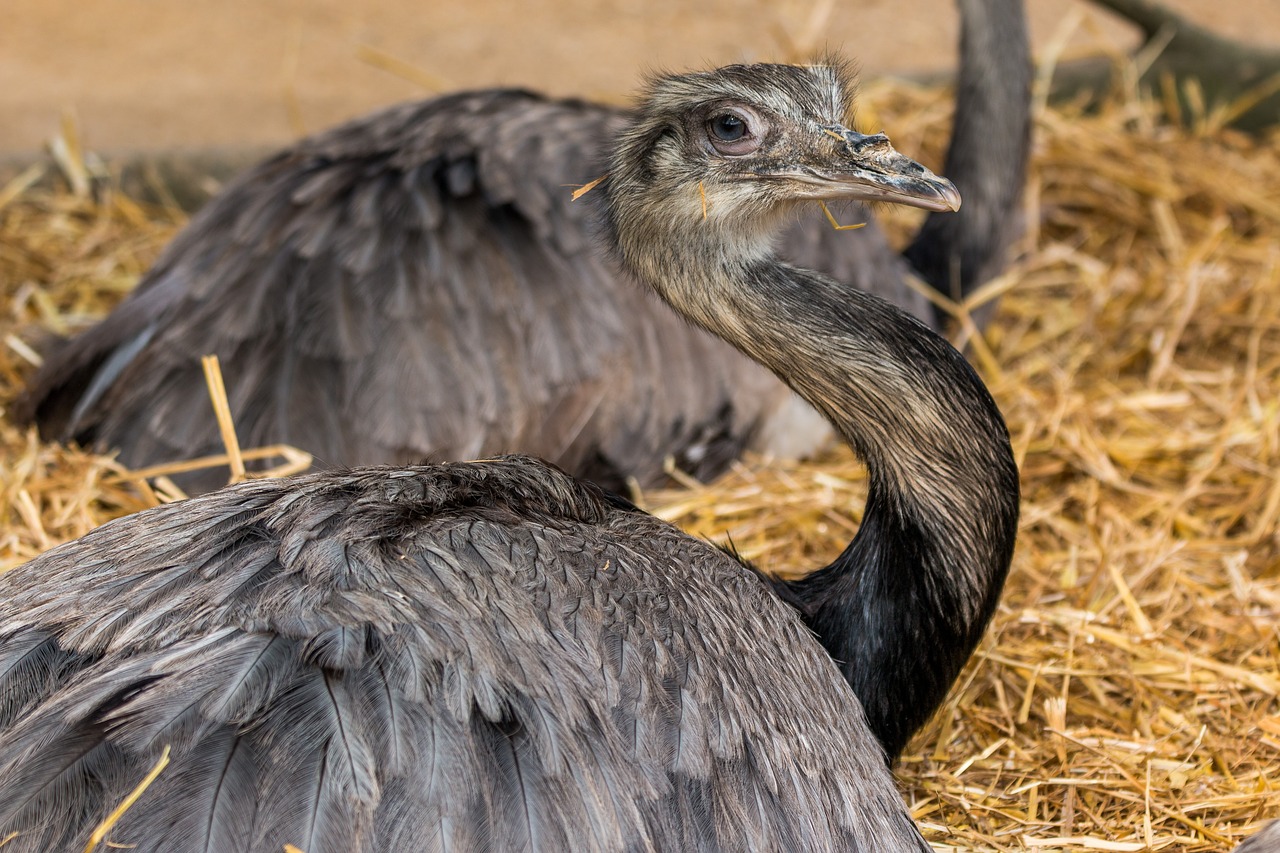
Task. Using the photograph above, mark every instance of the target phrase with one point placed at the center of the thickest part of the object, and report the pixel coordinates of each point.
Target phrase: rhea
(418, 284)
(494, 655)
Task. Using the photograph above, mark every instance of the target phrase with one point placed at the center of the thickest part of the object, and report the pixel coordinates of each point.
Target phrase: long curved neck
(903, 607)
(987, 158)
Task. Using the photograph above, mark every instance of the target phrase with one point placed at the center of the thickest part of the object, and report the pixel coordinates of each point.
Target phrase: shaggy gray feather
(508, 662)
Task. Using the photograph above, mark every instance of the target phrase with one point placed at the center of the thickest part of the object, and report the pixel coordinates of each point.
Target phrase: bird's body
(418, 284)
(465, 657)
(496, 656)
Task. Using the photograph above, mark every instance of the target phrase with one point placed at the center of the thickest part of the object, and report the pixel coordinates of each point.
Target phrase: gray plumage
(418, 284)
(407, 660)
(496, 656)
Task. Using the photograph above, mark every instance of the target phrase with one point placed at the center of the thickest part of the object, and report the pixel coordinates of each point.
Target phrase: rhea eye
(735, 132)
(728, 127)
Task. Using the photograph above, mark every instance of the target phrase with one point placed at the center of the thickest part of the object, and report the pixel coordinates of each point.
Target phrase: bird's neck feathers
(901, 610)
(906, 603)
(686, 242)
(903, 607)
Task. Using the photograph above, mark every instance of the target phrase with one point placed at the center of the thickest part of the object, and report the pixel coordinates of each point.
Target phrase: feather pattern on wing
(465, 657)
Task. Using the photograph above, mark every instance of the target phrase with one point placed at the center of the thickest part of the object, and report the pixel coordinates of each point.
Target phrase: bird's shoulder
(374, 547)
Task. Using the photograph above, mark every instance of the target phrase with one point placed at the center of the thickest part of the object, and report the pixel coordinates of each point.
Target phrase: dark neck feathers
(905, 604)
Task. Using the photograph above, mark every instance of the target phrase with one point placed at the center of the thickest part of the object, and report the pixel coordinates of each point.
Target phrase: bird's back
(483, 656)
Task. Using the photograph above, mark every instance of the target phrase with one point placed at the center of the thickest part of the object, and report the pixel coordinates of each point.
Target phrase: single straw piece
(222, 408)
(588, 187)
(100, 832)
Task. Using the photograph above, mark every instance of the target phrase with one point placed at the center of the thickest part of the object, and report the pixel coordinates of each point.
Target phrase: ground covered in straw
(1125, 698)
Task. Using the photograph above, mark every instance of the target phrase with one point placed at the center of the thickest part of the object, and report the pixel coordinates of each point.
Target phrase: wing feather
(461, 657)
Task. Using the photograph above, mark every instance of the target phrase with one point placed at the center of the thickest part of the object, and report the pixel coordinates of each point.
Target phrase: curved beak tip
(950, 195)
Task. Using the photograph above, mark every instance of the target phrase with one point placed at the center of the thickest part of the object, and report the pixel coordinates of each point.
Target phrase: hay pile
(65, 258)
(1125, 696)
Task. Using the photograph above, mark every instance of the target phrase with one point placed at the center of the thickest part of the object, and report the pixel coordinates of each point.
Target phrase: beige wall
(155, 74)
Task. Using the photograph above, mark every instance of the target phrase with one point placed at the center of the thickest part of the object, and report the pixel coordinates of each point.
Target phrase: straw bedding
(1125, 697)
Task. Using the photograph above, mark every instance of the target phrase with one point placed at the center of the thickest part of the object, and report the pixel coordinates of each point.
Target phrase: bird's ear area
(640, 150)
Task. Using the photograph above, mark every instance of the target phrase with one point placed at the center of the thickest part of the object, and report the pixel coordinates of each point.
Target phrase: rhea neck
(901, 609)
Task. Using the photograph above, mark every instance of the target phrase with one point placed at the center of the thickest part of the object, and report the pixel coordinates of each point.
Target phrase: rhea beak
(867, 168)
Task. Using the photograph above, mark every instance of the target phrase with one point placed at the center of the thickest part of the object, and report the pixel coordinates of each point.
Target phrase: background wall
(157, 74)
